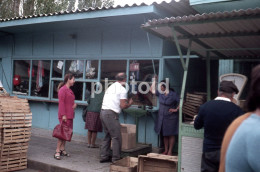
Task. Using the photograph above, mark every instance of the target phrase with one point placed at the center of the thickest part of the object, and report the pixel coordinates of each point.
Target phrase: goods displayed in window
(57, 68)
(76, 67)
(141, 73)
(37, 75)
(21, 76)
(40, 78)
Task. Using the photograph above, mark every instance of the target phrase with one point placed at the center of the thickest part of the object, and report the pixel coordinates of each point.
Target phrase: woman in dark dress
(167, 122)
(93, 122)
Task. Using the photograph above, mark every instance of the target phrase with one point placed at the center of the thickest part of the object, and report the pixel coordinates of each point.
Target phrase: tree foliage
(14, 8)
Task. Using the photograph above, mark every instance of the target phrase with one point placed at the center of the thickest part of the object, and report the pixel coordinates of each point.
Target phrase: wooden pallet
(192, 104)
(156, 162)
(13, 163)
(15, 135)
(8, 120)
(13, 149)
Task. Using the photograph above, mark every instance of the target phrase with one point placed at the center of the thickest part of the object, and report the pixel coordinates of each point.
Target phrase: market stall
(221, 35)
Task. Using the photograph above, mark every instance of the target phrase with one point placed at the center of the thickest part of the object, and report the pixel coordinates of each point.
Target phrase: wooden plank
(157, 163)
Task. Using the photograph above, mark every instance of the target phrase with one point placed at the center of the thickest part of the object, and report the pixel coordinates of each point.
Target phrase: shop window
(77, 88)
(76, 67)
(110, 68)
(92, 69)
(40, 78)
(57, 68)
(141, 73)
(55, 89)
(21, 76)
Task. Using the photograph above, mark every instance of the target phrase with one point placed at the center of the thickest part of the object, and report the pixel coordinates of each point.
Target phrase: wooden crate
(127, 164)
(8, 120)
(191, 105)
(15, 135)
(157, 163)
(14, 105)
(13, 163)
(13, 149)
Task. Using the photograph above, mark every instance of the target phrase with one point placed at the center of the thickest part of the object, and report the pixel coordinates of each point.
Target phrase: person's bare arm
(125, 103)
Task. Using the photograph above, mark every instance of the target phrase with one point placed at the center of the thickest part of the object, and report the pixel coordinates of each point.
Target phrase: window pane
(40, 78)
(21, 77)
(76, 67)
(110, 68)
(57, 68)
(77, 88)
(55, 89)
(91, 69)
(142, 72)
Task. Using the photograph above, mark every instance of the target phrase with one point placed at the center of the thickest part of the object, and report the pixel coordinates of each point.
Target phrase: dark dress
(167, 122)
(93, 122)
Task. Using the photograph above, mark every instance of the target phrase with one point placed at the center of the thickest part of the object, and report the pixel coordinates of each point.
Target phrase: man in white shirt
(114, 100)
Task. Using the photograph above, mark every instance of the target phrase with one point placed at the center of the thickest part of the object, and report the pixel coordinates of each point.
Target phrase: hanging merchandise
(77, 66)
(29, 71)
(73, 66)
(90, 71)
(60, 65)
(16, 80)
(40, 74)
(134, 67)
(80, 66)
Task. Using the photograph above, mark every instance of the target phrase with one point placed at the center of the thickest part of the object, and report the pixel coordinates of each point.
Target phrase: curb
(43, 167)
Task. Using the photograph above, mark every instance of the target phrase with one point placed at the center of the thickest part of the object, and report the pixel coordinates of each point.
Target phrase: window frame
(83, 80)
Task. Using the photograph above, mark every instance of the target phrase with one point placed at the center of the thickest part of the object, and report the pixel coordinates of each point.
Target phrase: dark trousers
(111, 126)
(210, 161)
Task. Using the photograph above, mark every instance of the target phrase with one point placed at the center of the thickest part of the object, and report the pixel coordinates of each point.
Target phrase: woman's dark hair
(67, 77)
(253, 99)
(164, 81)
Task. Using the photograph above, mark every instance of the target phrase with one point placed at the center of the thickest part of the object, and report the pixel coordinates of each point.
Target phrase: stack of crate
(15, 132)
(191, 105)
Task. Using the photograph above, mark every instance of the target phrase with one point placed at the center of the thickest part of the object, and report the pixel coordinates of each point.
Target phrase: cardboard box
(128, 132)
(127, 164)
(156, 162)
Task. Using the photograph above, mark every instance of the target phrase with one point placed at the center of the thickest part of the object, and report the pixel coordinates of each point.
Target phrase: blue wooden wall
(87, 43)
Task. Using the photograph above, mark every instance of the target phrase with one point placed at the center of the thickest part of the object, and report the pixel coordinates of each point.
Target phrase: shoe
(57, 155)
(105, 160)
(89, 145)
(64, 153)
(93, 146)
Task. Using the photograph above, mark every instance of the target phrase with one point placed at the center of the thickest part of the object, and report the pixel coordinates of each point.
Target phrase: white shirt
(223, 98)
(113, 94)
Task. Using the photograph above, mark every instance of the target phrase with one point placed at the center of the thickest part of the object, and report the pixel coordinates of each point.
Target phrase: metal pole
(178, 47)
(181, 101)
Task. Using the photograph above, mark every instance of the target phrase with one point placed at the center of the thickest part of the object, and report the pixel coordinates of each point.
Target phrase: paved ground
(83, 159)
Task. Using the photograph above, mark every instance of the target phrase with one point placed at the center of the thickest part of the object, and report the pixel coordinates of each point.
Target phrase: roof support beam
(219, 35)
(180, 30)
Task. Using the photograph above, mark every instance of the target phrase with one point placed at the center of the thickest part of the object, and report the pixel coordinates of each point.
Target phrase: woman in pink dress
(66, 110)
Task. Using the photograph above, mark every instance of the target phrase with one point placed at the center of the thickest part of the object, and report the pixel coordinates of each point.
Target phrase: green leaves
(15, 8)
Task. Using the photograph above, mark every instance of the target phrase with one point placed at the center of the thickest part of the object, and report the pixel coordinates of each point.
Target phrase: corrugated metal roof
(226, 35)
(175, 7)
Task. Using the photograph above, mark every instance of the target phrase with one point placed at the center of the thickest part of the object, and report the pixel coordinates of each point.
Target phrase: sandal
(57, 155)
(64, 153)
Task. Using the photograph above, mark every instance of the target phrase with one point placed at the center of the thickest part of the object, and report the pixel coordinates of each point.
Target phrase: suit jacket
(66, 102)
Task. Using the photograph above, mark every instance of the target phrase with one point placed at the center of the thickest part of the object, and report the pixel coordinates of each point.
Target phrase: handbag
(84, 113)
(62, 132)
